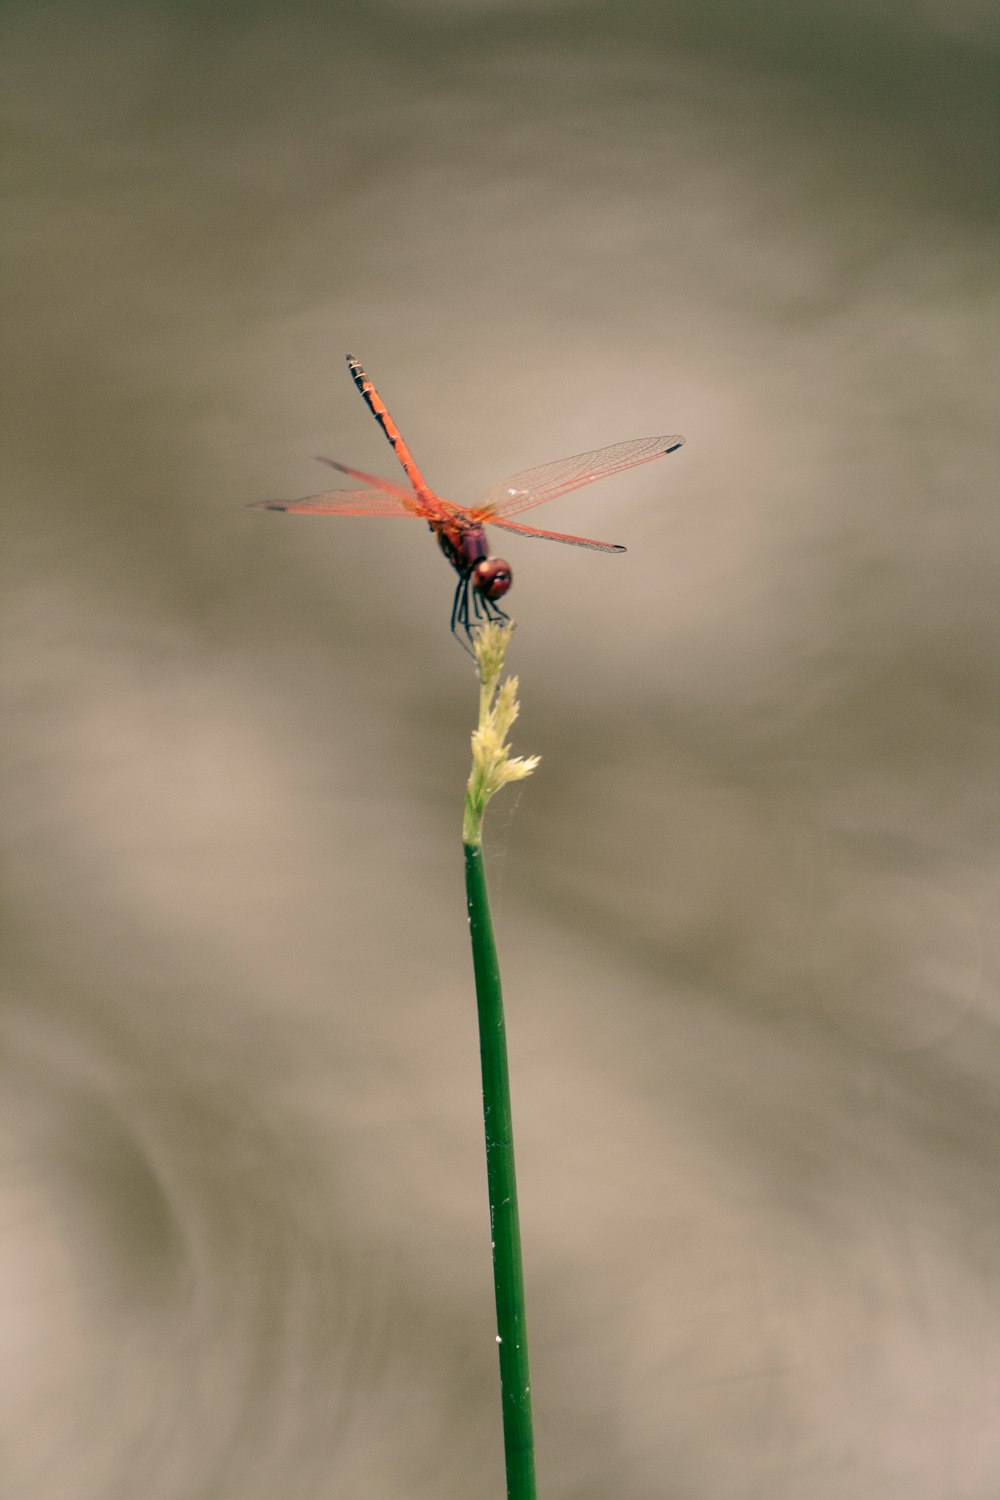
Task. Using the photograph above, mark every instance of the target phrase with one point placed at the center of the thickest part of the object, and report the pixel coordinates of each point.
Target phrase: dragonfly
(460, 530)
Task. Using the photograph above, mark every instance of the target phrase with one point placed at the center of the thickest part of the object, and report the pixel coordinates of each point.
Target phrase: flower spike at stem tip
(492, 763)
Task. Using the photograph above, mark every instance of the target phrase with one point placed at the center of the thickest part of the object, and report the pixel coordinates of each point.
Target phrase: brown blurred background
(746, 906)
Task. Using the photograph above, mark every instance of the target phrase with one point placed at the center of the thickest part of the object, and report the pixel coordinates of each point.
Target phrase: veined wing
(420, 501)
(558, 536)
(547, 481)
(380, 498)
(374, 481)
(344, 503)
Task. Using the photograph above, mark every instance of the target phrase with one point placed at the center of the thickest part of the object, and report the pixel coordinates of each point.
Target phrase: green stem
(508, 1276)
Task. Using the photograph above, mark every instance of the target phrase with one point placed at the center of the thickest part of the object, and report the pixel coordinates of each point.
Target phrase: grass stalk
(492, 767)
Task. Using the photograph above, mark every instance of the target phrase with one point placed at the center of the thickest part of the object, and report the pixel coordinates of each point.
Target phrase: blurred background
(746, 906)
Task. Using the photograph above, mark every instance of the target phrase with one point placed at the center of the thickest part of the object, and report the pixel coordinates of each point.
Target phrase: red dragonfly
(460, 529)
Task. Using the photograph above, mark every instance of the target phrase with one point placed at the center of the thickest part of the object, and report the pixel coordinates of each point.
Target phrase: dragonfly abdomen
(380, 412)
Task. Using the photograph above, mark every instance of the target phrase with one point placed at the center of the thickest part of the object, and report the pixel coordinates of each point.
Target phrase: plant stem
(508, 1276)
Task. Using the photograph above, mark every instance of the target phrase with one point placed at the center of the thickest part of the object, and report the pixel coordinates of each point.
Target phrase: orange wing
(343, 503)
(547, 481)
(558, 536)
(380, 498)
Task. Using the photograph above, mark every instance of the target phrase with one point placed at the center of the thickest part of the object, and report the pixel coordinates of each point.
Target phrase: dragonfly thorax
(467, 550)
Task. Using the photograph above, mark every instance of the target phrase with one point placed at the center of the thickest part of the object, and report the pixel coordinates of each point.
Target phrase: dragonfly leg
(470, 609)
(456, 604)
(493, 611)
(463, 613)
(460, 614)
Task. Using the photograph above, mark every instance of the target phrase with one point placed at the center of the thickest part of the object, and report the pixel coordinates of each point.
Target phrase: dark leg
(460, 614)
(467, 617)
(494, 612)
(456, 603)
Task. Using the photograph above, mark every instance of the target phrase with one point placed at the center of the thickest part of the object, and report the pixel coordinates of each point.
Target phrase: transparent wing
(343, 503)
(535, 486)
(380, 498)
(557, 536)
(372, 480)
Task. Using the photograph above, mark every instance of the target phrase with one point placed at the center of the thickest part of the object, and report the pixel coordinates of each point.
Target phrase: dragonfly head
(492, 577)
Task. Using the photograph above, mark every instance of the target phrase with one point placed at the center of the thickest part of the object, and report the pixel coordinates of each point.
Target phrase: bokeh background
(746, 907)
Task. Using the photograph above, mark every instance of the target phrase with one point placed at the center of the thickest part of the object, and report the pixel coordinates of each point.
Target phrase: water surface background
(747, 906)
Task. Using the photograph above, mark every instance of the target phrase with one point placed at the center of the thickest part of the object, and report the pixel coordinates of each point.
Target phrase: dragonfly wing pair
(459, 528)
(520, 492)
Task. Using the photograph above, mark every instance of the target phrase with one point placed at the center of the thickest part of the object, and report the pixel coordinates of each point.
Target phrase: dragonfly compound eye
(492, 577)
